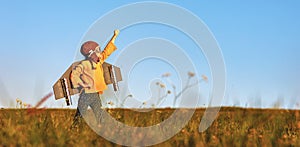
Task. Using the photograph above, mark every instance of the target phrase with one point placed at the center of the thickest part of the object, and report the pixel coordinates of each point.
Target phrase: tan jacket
(91, 73)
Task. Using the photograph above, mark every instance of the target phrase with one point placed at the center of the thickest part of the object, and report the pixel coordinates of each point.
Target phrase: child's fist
(88, 86)
(117, 32)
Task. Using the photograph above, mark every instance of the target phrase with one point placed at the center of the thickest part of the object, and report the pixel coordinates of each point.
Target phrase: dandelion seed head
(169, 91)
(214, 137)
(284, 136)
(204, 77)
(162, 85)
(119, 116)
(166, 74)
(144, 103)
(191, 74)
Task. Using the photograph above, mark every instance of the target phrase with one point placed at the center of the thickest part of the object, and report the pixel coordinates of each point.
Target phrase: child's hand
(116, 32)
(88, 86)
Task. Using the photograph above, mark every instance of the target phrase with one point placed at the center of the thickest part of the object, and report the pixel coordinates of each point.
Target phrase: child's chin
(96, 60)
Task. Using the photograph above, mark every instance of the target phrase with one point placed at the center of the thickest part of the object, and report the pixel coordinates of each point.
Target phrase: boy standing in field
(88, 77)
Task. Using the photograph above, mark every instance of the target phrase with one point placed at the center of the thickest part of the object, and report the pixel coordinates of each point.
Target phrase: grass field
(233, 127)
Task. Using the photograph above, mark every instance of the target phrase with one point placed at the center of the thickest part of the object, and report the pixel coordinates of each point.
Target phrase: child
(88, 77)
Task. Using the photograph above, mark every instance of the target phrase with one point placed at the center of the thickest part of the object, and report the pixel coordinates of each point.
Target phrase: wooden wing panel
(58, 88)
(108, 69)
(118, 73)
(107, 73)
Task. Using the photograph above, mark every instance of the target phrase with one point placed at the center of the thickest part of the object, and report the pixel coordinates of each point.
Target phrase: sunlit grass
(233, 127)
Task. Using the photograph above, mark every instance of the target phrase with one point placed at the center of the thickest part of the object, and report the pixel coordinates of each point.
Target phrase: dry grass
(233, 127)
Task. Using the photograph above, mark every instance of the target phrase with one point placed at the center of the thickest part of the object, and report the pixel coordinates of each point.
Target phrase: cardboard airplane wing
(63, 87)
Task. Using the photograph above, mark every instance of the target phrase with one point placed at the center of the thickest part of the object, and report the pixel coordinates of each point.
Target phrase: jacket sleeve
(109, 49)
(75, 76)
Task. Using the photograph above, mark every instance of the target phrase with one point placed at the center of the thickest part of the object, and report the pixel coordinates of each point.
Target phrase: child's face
(95, 55)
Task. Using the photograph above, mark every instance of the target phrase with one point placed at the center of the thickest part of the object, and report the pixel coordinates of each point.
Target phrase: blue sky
(259, 41)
